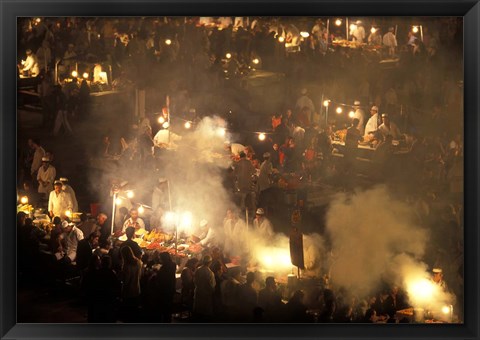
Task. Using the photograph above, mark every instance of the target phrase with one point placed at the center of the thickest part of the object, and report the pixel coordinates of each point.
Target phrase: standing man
(351, 144)
(45, 177)
(204, 281)
(69, 190)
(243, 171)
(73, 235)
(134, 221)
(390, 42)
(262, 226)
(372, 123)
(58, 201)
(388, 128)
(38, 154)
(360, 115)
(264, 179)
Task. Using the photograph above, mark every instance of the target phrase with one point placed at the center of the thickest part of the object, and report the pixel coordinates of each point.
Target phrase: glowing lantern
(118, 201)
(74, 74)
(161, 119)
(256, 61)
(326, 103)
(415, 29)
(338, 22)
(304, 34)
(130, 194)
(281, 39)
(141, 209)
(24, 200)
(168, 42)
(261, 136)
(188, 125)
(228, 55)
(351, 114)
(353, 27)
(85, 75)
(373, 30)
(339, 110)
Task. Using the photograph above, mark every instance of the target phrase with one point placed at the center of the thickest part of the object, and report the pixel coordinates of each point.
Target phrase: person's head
(93, 239)
(270, 283)
(165, 258)
(275, 147)
(67, 226)
(45, 162)
(57, 220)
(207, 260)
(134, 213)
(230, 214)
(101, 218)
(356, 104)
(28, 52)
(266, 155)
(385, 118)
(105, 243)
(242, 155)
(21, 216)
(437, 274)
(130, 232)
(374, 110)
(57, 186)
(192, 263)
(250, 278)
(260, 213)
(355, 121)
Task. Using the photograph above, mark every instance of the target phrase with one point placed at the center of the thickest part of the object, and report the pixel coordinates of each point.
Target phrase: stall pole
(113, 211)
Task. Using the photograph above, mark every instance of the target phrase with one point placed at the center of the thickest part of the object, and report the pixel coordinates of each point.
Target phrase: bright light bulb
(304, 34)
(188, 125)
(141, 209)
(222, 131)
(74, 74)
(351, 114)
(168, 42)
(118, 201)
(166, 125)
(353, 27)
(228, 55)
(24, 200)
(68, 213)
(256, 61)
(373, 30)
(339, 110)
(261, 136)
(415, 29)
(161, 119)
(130, 194)
(38, 20)
(326, 103)
(85, 75)
(281, 39)
(338, 22)
(446, 309)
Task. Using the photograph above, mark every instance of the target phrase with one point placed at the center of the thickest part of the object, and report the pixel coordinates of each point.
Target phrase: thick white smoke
(367, 231)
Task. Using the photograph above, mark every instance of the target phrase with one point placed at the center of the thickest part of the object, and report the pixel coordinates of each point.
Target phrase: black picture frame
(10, 10)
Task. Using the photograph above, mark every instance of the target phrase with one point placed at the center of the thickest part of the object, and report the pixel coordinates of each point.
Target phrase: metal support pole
(113, 211)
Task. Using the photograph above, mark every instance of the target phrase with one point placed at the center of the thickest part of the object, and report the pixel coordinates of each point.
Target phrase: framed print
(239, 170)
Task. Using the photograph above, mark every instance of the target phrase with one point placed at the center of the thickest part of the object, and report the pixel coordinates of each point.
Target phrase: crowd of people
(420, 109)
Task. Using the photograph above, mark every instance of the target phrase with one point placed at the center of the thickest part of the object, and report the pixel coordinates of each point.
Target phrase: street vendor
(69, 190)
(262, 225)
(134, 221)
(59, 201)
(437, 278)
(207, 234)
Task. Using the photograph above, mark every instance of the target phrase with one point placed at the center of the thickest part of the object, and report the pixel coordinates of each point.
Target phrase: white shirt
(304, 101)
(69, 190)
(359, 34)
(393, 130)
(390, 40)
(46, 176)
(59, 203)
(71, 242)
(263, 229)
(235, 235)
(129, 223)
(372, 124)
(208, 238)
(360, 116)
